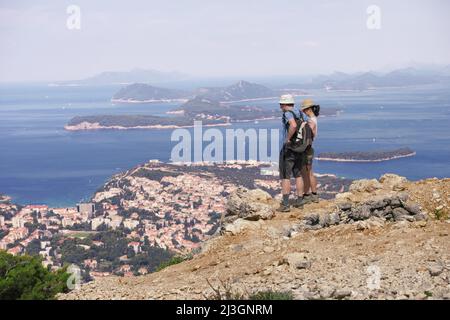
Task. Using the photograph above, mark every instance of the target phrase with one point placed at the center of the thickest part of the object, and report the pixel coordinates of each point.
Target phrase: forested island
(368, 156)
(211, 113)
(122, 122)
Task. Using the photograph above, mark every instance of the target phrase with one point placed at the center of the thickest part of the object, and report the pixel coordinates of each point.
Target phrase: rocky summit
(384, 239)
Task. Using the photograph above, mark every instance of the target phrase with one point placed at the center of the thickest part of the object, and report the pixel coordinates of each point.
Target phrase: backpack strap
(300, 130)
(294, 115)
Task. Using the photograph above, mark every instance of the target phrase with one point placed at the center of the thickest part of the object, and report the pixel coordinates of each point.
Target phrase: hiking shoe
(304, 200)
(314, 198)
(284, 208)
(298, 203)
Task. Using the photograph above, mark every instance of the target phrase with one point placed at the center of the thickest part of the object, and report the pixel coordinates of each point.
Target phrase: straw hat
(307, 103)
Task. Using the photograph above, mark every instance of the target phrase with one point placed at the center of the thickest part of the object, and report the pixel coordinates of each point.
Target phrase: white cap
(287, 99)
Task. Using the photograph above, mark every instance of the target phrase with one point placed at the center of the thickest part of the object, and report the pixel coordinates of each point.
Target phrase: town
(139, 218)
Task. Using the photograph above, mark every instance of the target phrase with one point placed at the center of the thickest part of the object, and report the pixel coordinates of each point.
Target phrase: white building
(116, 221)
(86, 209)
(130, 224)
(67, 222)
(18, 222)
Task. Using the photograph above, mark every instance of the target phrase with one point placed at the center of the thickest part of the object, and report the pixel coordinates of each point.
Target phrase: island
(240, 91)
(144, 93)
(200, 107)
(123, 122)
(368, 156)
(210, 112)
(212, 106)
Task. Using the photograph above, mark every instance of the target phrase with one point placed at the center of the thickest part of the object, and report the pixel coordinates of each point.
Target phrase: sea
(41, 163)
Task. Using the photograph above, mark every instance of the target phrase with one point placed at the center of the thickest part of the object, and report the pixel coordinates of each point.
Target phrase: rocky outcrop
(393, 181)
(365, 185)
(385, 208)
(297, 260)
(249, 205)
(385, 239)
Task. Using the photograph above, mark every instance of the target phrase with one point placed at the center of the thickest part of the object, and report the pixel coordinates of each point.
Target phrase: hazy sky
(218, 37)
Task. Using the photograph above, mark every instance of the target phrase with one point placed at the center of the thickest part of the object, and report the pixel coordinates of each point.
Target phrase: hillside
(141, 92)
(242, 90)
(385, 239)
(201, 108)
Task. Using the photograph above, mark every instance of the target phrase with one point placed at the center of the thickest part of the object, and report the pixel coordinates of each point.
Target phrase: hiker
(312, 111)
(294, 144)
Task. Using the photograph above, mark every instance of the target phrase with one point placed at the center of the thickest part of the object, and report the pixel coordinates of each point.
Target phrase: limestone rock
(344, 196)
(297, 260)
(372, 223)
(334, 218)
(240, 225)
(360, 213)
(393, 181)
(342, 293)
(435, 269)
(412, 207)
(365, 185)
(312, 219)
(344, 206)
(249, 205)
(399, 214)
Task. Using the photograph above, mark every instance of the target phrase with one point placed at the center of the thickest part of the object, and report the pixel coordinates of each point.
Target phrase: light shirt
(312, 121)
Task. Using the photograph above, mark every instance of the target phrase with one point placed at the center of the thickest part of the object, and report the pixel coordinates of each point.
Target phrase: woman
(309, 179)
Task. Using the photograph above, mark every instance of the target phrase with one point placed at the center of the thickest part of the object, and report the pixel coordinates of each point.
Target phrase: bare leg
(307, 182)
(285, 186)
(312, 179)
(299, 186)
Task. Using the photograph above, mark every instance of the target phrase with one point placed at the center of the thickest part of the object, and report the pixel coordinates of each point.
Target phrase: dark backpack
(302, 137)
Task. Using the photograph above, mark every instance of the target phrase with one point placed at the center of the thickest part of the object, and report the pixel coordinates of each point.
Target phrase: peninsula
(370, 156)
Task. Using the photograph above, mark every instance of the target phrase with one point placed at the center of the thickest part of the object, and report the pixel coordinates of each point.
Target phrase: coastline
(185, 100)
(87, 126)
(133, 101)
(5, 199)
(357, 160)
(84, 126)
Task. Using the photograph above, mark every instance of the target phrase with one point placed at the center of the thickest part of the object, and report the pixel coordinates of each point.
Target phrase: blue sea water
(40, 162)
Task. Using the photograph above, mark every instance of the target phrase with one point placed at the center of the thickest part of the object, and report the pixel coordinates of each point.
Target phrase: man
(290, 163)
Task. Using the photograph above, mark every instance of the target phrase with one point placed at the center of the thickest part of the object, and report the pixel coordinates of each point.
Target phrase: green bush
(172, 261)
(271, 295)
(24, 278)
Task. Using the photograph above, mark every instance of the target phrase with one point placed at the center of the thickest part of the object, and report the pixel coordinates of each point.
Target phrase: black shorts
(290, 163)
(308, 156)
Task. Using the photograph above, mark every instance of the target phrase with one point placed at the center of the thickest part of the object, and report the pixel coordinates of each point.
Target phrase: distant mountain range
(243, 90)
(141, 92)
(128, 77)
(239, 91)
(372, 80)
(246, 91)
